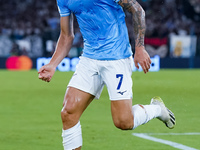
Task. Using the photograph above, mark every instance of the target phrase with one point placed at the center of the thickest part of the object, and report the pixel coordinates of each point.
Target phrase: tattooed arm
(138, 16)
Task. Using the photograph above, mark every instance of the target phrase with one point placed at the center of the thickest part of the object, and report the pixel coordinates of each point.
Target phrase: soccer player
(106, 60)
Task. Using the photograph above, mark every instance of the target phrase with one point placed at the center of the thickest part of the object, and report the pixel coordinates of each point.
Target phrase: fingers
(149, 60)
(136, 64)
(41, 70)
(46, 78)
(146, 65)
(144, 68)
(46, 72)
(40, 76)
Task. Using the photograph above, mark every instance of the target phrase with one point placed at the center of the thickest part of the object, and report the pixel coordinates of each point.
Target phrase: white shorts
(91, 75)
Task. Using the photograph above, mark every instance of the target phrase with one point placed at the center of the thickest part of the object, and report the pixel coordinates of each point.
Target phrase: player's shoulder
(112, 0)
(61, 2)
(116, 1)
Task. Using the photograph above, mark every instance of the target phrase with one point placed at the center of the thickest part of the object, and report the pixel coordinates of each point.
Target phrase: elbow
(140, 10)
(68, 38)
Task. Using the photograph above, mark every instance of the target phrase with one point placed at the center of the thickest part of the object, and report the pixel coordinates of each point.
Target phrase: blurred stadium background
(30, 109)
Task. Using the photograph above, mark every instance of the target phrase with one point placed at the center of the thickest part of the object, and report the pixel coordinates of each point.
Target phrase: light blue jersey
(103, 27)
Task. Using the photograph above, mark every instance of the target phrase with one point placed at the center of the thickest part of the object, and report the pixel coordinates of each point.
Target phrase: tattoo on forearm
(138, 16)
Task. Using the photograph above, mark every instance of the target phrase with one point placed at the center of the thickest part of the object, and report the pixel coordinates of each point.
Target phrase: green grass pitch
(30, 112)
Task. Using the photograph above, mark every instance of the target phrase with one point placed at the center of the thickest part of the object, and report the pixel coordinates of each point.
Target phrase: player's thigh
(76, 101)
(122, 113)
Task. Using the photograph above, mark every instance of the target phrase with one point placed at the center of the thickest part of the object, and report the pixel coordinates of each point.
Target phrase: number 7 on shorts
(120, 81)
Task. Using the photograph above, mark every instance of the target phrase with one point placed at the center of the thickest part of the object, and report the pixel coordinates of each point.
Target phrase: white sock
(72, 138)
(144, 113)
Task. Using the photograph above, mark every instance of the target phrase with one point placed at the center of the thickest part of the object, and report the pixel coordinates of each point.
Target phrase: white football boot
(167, 117)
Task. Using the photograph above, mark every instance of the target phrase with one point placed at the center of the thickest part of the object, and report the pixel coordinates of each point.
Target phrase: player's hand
(142, 57)
(46, 72)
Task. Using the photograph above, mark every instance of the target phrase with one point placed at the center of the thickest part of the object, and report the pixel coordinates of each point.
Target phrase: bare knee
(69, 115)
(124, 124)
(66, 112)
(70, 105)
(75, 102)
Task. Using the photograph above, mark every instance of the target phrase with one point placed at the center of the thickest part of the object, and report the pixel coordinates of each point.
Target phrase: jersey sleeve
(116, 1)
(62, 8)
